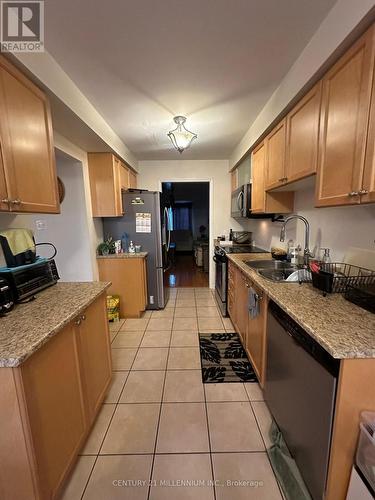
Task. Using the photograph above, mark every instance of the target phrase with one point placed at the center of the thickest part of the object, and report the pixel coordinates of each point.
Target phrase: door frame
(210, 181)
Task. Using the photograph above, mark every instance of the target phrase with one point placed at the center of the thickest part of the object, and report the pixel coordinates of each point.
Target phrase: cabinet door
(27, 144)
(132, 179)
(257, 169)
(105, 185)
(275, 156)
(368, 181)
(95, 356)
(53, 395)
(124, 177)
(346, 95)
(302, 125)
(128, 277)
(242, 294)
(256, 335)
(4, 204)
(231, 292)
(233, 180)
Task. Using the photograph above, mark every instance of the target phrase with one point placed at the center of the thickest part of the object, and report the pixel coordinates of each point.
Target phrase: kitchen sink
(279, 271)
(270, 264)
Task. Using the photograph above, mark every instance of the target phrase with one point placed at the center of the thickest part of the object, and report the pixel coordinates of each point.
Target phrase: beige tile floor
(161, 433)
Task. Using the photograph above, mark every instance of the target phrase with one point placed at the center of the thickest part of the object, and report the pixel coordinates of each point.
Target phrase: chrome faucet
(306, 253)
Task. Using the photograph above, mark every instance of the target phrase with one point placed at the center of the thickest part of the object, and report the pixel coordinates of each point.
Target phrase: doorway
(188, 255)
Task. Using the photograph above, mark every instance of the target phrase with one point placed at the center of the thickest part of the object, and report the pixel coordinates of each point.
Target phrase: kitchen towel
(19, 240)
(253, 303)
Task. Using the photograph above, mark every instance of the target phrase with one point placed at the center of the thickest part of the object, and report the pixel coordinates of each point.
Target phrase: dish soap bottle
(131, 247)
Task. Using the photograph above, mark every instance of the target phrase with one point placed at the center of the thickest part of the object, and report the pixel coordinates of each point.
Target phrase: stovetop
(243, 249)
(239, 249)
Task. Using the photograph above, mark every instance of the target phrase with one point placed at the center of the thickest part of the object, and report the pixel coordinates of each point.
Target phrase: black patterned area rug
(224, 359)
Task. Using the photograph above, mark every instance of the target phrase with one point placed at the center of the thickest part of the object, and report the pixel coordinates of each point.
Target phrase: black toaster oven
(25, 281)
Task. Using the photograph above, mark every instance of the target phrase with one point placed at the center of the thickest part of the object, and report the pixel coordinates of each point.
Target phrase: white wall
(152, 173)
(340, 21)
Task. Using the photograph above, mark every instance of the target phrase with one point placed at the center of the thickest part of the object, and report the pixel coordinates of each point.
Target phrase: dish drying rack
(338, 277)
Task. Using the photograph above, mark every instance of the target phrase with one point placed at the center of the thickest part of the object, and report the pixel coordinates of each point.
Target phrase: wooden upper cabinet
(233, 180)
(132, 179)
(302, 136)
(28, 178)
(346, 94)
(262, 201)
(258, 194)
(108, 178)
(124, 177)
(275, 156)
(368, 179)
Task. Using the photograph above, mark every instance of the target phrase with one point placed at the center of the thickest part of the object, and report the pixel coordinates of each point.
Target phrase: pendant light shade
(181, 137)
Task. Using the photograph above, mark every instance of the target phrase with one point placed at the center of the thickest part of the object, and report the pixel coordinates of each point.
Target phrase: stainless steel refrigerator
(145, 223)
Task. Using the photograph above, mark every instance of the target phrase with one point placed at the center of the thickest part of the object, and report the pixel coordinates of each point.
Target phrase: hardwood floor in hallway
(185, 273)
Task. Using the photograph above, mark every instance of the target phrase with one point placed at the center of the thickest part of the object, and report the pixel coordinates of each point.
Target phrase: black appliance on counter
(241, 204)
(221, 271)
(6, 297)
(25, 281)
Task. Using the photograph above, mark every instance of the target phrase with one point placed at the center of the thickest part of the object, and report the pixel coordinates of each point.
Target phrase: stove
(221, 274)
(243, 249)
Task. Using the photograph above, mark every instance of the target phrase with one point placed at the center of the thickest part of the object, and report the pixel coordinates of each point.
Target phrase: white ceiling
(141, 62)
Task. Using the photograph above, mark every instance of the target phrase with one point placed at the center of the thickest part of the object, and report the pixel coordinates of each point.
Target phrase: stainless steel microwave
(241, 204)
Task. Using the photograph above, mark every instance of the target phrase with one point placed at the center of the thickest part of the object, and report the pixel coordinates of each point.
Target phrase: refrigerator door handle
(166, 217)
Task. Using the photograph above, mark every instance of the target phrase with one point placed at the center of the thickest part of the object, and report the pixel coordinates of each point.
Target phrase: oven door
(221, 266)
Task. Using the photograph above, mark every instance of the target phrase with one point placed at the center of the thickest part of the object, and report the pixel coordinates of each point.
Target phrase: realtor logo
(22, 26)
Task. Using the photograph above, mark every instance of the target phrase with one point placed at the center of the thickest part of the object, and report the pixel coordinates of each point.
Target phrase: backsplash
(337, 228)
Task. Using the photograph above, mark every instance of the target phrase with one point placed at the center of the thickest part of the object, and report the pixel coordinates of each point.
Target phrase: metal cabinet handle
(16, 202)
(83, 317)
(5, 200)
(283, 179)
(362, 192)
(353, 193)
(78, 322)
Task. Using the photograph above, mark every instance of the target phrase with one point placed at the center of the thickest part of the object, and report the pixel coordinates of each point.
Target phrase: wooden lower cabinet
(48, 404)
(129, 282)
(241, 304)
(256, 336)
(95, 355)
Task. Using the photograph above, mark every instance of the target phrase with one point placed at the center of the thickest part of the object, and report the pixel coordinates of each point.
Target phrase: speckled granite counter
(342, 328)
(125, 255)
(29, 326)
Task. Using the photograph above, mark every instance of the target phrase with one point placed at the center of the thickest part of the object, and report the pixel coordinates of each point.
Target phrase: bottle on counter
(131, 247)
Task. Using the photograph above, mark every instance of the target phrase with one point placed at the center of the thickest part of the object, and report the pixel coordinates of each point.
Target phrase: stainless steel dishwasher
(300, 391)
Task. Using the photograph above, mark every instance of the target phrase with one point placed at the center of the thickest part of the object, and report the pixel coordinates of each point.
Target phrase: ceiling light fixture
(181, 137)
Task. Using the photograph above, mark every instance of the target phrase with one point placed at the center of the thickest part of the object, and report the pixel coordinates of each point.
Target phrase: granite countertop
(125, 255)
(25, 329)
(344, 330)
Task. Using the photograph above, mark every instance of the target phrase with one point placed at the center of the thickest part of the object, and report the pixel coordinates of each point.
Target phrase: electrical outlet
(40, 224)
(151, 299)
